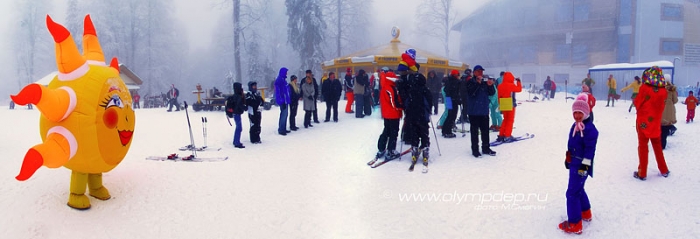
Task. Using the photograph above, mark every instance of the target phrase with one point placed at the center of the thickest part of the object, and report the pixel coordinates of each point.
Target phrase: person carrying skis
(650, 107)
(282, 99)
(390, 104)
(635, 90)
(479, 89)
(235, 105)
(580, 153)
(505, 97)
(254, 101)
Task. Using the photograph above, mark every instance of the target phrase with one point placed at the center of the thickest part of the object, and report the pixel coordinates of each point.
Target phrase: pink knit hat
(581, 105)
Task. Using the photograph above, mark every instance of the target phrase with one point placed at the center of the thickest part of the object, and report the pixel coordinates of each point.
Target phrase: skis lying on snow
(374, 163)
(204, 148)
(190, 158)
(519, 138)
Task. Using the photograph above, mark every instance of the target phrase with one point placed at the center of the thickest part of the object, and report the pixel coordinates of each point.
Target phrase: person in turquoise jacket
(496, 118)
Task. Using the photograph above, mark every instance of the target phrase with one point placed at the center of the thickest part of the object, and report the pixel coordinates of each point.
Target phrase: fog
(188, 42)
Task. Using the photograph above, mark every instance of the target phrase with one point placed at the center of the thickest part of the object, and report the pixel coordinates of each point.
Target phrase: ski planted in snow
(204, 148)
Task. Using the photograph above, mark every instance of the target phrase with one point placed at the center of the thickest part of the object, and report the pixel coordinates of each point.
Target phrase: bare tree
(350, 24)
(436, 17)
(32, 42)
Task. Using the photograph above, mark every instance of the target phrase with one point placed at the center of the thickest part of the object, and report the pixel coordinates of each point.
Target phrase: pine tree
(305, 31)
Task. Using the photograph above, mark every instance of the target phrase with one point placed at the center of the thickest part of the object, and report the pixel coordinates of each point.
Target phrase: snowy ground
(314, 183)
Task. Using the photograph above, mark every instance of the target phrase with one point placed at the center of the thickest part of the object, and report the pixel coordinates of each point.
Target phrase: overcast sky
(200, 16)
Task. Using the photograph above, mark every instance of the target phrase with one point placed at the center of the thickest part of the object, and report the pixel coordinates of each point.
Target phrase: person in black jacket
(434, 85)
(418, 105)
(463, 93)
(361, 84)
(173, 93)
(452, 101)
(238, 102)
(254, 101)
(331, 89)
(479, 89)
(294, 97)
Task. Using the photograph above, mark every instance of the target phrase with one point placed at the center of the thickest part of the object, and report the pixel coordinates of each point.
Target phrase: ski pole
(204, 130)
(435, 134)
(401, 141)
(189, 126)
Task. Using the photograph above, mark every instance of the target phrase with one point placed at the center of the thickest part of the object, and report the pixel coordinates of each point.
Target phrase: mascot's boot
(77, 198)
(95, 185)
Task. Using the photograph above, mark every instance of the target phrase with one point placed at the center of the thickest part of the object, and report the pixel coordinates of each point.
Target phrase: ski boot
(172, 156)
(188, 158)
(379, 155)
(415, 153)
(393, 154)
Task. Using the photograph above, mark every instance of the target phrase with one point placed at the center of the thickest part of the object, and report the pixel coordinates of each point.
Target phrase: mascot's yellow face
(115, 121)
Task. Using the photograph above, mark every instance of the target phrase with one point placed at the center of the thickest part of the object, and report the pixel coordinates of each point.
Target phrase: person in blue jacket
(479, 88)
(282, 99)
(583, 137)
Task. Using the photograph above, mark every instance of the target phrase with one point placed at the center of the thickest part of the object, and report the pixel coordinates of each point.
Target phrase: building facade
(563, 38)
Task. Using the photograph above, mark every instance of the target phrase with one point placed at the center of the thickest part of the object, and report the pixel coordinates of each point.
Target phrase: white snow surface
(314, 183)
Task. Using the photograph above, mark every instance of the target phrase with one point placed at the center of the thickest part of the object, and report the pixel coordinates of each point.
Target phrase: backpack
(229, 106)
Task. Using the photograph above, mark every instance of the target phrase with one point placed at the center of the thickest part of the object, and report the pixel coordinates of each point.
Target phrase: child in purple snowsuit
(583, 137)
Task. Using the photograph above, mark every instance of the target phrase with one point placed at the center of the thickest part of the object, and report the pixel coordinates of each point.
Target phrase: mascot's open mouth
(125, 136)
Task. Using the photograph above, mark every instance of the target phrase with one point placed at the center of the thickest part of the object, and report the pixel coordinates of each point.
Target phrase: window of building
(581, 12)
(565, 12)
(670, 46)
(561, 79)
(529, 54)
(563, 53)
(580, 56)
(671, 12)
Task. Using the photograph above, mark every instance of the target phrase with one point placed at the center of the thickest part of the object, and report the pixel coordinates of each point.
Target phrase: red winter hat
(349, 70)
(454, 73)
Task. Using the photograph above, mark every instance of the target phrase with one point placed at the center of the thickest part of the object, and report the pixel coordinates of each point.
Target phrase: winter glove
(567, 161)
(585, 166)
(448, 103)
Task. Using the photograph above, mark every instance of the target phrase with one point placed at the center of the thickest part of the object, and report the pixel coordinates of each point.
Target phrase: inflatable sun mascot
(87, 119)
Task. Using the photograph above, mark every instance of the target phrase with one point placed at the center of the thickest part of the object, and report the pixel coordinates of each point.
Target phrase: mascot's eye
(114, 101)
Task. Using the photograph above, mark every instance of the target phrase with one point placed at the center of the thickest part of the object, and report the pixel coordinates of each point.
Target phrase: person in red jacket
(505, 95)
(591, 98)
(690, 101)
(390, 104)
(650, 103)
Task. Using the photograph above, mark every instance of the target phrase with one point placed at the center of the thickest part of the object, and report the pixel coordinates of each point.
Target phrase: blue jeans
(237, 132)
(283, 119)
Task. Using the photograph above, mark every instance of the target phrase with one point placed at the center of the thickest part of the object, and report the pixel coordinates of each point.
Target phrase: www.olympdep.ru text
(479, 198)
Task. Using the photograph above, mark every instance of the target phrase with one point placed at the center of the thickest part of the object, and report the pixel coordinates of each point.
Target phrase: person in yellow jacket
(612, 90)
(635, 90)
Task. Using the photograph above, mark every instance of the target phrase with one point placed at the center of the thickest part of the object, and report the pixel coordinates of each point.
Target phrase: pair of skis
(373, 163)
(190, 158)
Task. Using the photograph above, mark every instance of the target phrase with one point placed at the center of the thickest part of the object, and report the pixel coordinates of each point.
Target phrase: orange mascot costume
(87, 120)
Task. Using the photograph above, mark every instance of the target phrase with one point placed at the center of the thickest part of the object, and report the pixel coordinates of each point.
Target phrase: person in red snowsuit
(650, 103)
